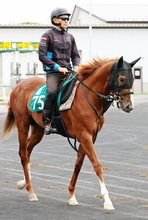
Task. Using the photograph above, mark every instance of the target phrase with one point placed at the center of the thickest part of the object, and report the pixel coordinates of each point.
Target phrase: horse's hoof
(20, 184)
(33, 198)
(73, 201)
(108, 206)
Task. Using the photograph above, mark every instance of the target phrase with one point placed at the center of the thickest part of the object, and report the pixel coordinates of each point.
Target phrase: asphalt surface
(121, 146)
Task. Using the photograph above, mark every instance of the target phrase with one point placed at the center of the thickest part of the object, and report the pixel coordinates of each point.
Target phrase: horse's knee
(98, 169)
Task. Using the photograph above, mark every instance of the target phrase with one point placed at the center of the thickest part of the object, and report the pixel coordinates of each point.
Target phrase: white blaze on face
(132, 98)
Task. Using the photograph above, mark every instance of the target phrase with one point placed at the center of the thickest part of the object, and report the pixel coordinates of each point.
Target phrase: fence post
(3, 90)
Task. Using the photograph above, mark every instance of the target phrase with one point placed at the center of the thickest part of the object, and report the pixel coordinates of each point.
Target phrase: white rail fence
(5, 92)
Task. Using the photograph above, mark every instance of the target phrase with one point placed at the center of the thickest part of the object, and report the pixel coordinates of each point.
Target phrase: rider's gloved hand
(75, 70)
(63, 70)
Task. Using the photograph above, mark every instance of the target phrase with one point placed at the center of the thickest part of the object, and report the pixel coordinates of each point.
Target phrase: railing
(4, 92)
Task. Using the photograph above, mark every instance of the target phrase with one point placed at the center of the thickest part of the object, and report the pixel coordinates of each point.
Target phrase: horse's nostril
(129, 107)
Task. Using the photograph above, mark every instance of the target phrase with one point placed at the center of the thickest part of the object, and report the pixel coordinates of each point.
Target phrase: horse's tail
(9, 124)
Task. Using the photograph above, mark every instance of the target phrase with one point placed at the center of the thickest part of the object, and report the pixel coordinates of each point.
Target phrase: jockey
(56, 49)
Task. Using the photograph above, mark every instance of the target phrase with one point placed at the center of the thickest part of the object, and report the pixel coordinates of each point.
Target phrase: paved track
(122, 147)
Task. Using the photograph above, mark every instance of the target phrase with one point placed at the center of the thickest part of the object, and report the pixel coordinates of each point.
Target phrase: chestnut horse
(98, 78)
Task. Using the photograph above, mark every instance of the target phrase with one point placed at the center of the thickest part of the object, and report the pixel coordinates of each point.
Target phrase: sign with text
(5, 45)
(35, 45)
(23, 45)
(19, 45)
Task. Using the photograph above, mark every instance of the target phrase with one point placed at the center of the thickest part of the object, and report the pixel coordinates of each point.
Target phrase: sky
(16, 11)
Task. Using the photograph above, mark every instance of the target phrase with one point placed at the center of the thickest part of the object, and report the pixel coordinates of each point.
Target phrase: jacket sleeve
(75, 58)
(44, 55)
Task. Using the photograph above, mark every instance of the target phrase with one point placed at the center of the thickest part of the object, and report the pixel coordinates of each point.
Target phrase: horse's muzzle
(128, 108)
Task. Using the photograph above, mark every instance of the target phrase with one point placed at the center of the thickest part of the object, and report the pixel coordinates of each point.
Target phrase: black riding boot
(46, 116)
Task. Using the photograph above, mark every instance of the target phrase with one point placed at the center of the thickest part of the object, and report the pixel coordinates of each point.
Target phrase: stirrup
(49, 129)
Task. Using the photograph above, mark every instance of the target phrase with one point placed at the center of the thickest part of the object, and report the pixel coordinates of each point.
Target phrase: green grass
(1, 100)
(140, 93)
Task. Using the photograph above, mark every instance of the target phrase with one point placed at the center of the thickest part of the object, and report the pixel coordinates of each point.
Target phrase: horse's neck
(100, 80)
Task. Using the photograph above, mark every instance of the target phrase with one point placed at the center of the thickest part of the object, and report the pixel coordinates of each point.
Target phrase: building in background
(116, 31)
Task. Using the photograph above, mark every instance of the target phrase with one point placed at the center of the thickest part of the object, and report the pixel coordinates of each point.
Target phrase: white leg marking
(107, 202)
(22, 183)
(33, 198)
(73, 201)
(29, 171)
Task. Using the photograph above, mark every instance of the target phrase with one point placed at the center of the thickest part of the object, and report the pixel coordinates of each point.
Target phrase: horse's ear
(120, 61)
(134, 62)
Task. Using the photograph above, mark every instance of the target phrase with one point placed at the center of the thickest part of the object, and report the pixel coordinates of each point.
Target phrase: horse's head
(121, 81)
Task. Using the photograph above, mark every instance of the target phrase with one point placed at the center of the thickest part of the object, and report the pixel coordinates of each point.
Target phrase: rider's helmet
(57, 12)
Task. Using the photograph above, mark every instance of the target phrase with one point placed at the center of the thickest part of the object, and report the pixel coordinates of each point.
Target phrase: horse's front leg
(77, 168)
(88, 147)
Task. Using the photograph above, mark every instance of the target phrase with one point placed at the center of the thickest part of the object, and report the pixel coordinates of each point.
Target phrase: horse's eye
(122, 80)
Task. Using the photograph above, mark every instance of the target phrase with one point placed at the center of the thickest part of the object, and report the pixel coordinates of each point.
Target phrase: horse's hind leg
(77, 168)
(35, 137)
(23, 129)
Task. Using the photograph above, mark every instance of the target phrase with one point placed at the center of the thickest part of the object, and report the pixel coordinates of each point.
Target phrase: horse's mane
(86, 70)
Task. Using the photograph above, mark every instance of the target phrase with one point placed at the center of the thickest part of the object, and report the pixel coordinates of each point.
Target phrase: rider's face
(64, 24)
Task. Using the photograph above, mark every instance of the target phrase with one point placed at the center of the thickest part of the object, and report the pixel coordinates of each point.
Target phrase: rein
(94, 111)
(110, 97)
(102, 96)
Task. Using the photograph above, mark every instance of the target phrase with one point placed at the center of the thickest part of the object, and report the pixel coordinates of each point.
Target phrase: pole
(34, 63)
(17, 67)
(28, 64)
(90, 32)
(3, 90)
(12, 64)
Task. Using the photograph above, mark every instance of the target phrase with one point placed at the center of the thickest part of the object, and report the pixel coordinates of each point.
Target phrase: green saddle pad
(37, 101)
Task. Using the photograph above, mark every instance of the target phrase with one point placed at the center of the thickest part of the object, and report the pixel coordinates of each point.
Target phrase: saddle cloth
(64, 99)
(64, 102)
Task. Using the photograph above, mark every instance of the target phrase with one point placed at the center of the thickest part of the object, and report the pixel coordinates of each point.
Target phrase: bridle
(117, 97)
(113, 96)
(119, 66)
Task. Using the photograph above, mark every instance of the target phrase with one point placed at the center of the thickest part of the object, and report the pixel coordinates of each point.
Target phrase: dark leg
(53, 78)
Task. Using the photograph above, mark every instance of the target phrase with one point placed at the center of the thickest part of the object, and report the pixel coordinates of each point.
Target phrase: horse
(97, 79)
